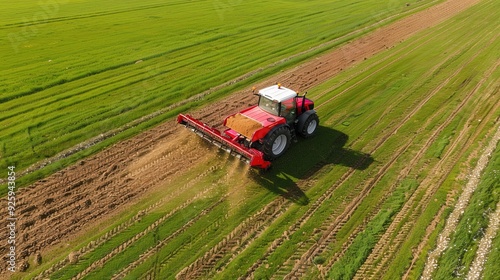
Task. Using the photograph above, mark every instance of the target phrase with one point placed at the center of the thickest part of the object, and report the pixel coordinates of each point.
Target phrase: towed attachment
(251, 156)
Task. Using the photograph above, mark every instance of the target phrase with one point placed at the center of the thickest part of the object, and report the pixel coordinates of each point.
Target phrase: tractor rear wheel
(310, 126)
(276, 142)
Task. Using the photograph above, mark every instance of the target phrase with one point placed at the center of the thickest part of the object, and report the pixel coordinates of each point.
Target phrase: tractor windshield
(269, 105)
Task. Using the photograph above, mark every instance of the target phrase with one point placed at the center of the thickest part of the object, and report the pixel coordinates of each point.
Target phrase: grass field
(366, 198)
(73, 70)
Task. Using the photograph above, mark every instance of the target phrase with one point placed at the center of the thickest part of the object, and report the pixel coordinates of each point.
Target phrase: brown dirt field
(73, 201)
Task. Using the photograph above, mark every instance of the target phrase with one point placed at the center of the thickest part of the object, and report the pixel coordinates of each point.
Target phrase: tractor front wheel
(276, 142)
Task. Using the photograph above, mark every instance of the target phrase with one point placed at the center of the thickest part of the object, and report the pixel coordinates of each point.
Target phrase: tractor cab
(279, 101)
(283, 102)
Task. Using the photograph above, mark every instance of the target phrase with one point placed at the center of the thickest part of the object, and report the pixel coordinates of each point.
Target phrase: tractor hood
(253, 119)
(264, 118)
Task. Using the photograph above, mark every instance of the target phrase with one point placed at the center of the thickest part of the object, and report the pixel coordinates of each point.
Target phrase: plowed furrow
(92, 245)
(326, 195)
(240, 235)
(306, 260)
(329, 192)
(143, 257)
(416, 253)
(87, 198)
(403, 174)
(377, 260)
(154, 249)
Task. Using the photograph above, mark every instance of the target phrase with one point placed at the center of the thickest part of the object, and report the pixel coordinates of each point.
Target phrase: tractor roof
(277, 93)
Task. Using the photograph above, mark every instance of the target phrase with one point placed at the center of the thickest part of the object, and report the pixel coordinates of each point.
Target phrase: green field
(73, 70)
(366, 198)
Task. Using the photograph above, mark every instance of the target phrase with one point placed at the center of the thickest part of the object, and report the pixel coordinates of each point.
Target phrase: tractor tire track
(401, 176)
(376, 261)
(327, 194)
(304, 258)
(454, 217)
(92, 245)
(462, 134)
(47, 214)
(243, 234)
(305, 261)
(336, 226)
(385, 239)
(274, 242)
(150, 251)
(93, 141)
(324, 67)
(332, 227)
(385, 62)
(75, 177)
(404, 173)
(428, 231)
(292, 229)
(418, 251)
(101, 262)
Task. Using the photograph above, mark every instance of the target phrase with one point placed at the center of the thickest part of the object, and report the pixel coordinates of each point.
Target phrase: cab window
(268, 105)
(288, 109)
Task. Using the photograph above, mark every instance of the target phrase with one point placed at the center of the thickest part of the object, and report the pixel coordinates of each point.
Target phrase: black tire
(276, 142)
(310, 126)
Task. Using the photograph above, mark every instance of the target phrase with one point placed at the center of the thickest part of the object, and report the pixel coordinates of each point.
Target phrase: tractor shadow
(305, 158)
(281, 184)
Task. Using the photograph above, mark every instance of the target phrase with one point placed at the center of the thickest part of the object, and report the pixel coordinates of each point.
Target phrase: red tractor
(263, 132)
